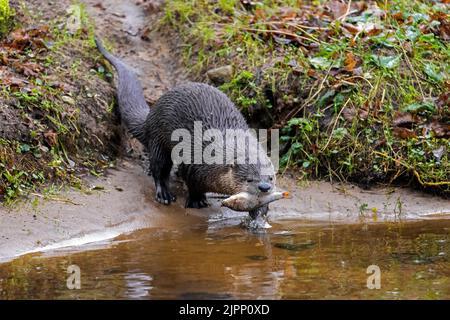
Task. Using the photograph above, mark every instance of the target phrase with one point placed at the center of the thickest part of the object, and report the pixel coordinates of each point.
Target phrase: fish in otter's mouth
(254, 203)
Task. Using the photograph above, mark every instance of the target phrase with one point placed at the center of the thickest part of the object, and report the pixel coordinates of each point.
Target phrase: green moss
(5, 15)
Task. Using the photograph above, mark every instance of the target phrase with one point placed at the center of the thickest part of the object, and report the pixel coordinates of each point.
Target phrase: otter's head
(252, 179)
(236, 178)
(252, 171)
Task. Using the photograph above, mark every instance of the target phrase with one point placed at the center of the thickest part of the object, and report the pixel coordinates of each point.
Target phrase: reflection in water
(138, 285)
(293, 260)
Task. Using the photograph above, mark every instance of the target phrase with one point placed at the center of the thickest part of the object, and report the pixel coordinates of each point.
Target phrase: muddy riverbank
(122, 202)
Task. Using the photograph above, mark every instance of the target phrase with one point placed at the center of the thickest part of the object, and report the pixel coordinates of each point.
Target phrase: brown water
(293, 260)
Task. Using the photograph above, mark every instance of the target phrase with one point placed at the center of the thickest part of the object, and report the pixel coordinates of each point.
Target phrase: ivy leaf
(296, 147)
(24, 148)
(387, 62)
(326, 98)
(339, 133)
(323, 63)
(412, 33)
(419, 107)
(432, 71)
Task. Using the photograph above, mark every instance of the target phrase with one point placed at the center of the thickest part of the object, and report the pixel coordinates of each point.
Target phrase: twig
(370, 84)
(279, 32)
(294, 112)
(414, 171)
(413, 71)
(347, 12)
(334, 125)
(55, 199)
(279, 22)
(298, 27)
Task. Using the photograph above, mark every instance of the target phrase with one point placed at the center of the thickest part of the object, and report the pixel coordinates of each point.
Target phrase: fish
(245, 201)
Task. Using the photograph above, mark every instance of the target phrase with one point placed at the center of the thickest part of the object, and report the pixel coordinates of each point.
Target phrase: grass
(5, 16)
(359, 93)
(48, 94)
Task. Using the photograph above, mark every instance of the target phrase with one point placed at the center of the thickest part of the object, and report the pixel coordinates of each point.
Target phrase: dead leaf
(287, 13)
(443, 29)
(443, 104)
(350, 62)
(398, 16)
(403, 133)
(20, 40)
(100, 6)
(145, 34)
(348, 114)
(4, 58)
(440, 130)
(259, 14)
(350, 28)
(404, 119)
(51, 137)
(439, 152)
(12, 81)
(337, 9)
(373, 30)
(29, 69)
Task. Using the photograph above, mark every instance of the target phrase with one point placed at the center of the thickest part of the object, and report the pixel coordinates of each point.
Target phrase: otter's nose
(264, 186)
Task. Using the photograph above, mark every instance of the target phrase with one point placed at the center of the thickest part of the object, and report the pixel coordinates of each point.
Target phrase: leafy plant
(359, 96)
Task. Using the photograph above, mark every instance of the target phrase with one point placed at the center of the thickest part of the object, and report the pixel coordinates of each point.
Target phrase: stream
(294, 260)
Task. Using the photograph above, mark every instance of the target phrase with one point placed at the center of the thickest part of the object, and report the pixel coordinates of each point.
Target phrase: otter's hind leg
(196, 198)
(160, 165)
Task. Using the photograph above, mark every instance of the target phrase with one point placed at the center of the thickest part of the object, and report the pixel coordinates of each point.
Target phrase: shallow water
(292, 260)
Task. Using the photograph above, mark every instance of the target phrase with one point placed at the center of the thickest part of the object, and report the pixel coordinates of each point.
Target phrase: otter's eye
(270, 178)
(249, 180)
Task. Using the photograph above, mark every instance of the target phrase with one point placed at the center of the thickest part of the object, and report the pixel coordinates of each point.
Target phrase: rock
(68, 100)
(220, 74)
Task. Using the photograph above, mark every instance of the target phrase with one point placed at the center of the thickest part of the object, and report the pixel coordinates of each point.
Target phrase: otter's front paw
(196, 202)
(164, 196)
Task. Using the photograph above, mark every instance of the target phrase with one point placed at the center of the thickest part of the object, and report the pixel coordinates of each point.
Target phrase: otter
(179, 108)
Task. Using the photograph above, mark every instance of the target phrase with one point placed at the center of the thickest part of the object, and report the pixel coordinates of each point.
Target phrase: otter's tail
(132, 105)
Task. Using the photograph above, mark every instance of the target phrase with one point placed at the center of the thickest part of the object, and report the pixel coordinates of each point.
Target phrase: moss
(5, 16)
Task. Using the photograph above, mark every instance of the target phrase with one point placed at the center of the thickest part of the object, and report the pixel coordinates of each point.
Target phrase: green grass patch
(51, 91)
(5, 16)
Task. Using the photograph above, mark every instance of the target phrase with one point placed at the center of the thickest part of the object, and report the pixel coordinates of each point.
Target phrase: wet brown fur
(178, 109)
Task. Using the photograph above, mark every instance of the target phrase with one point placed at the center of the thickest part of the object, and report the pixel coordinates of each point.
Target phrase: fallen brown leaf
(444, 27)
(404, 119)
(100, 6)
(350, 62)
(337, 8)
(51, 137)
(403, 133)
(440, 130)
